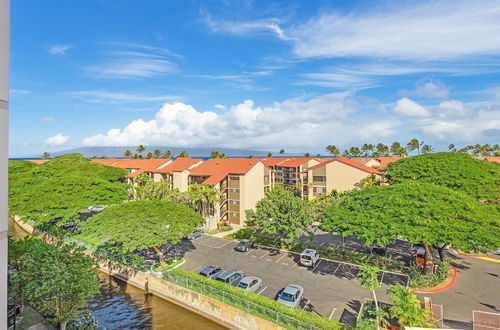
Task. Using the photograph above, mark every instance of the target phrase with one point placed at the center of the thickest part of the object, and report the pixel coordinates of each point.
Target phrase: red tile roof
(492, 159)
(362, 160)
(105, 161)
(274, 161)
(147, 164)
(347, 161)
(178, 165)
(385, 161)
(37, 161)
(218, 169)
(295, 162)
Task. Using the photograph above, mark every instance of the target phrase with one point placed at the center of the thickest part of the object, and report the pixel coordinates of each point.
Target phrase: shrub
(421, 280)
(226, 228)
(303, 316)
(245, 233)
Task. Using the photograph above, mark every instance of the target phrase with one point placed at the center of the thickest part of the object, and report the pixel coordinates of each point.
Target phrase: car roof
(226, 273)
(248, 279)
(293, 288)
(309, 252)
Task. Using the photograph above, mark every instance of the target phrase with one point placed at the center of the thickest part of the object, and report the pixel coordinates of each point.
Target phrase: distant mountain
(193, 152)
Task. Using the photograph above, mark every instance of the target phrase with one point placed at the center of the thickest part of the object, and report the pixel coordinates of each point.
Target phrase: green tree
(145, 188)
(143, 224)
(368, 279)
(204, 198)
(157, 153)
(217, 154)
(382, 150)
(345, 153)
(140, 149)
(167, 154)
(319, 204)
(183, 154)
(425, 214)
(333, 150)
(408, 309)
(46, 155)
(427, 149)
(149, 155)
(307, 154)
(68, 184)
(281, 215)
(269, 155)
(127, 153)
(414, 144)
(397, 150)
(354, 151)
(457, 171)
(367, 149)
(282, 151)
(58, 280)
(452, 148)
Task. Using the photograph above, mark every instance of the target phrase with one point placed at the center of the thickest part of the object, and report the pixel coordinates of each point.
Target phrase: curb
(473, 255)
(446, 287)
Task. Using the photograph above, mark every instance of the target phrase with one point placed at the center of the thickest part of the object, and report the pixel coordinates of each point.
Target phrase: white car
(291, 296)
(309, 258)
(250, 283)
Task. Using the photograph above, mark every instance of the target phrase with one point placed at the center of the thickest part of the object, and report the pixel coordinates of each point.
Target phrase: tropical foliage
(422, 213)
(62, 187)
(408, 309)
(142, 224)
(281, 215)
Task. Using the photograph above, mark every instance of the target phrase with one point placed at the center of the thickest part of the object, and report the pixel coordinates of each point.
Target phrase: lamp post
(4, 136)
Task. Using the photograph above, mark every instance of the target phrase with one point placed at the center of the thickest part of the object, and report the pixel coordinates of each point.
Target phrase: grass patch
(29, 317)
(169, 265)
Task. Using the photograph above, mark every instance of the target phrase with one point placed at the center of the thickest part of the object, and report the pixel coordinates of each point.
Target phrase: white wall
(4, 135)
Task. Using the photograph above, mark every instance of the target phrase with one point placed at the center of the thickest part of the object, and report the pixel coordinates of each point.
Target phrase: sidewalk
(224, 233)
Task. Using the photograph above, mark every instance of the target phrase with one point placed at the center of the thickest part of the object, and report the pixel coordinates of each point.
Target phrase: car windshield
(306, 257)
(243, 285)
(242, 243)
(287, 297)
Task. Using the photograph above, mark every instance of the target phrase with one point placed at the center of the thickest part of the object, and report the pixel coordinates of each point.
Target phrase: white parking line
(337, 269)
(195, 269)
(382, 278)
(284, 255)
(262, 290)
(322, 244)
(317, 265)
(331, 314)
(265, 254)
(249, 251)
(307, 303)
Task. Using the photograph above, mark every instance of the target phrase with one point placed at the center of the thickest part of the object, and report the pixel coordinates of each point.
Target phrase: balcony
(234, 195)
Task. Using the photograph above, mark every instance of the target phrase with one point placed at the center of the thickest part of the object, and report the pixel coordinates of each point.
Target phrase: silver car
(291, 296)
(230, 277)
(211, 271)
(250, 283)
(195, 234)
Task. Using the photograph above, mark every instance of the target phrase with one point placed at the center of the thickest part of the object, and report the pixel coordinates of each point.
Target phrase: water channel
(122, 306)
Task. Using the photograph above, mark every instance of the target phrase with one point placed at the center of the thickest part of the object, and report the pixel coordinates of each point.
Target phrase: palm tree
(382, 150)
(204, 197)
(127, 153)
(414, 145)
(167, 154)
(345, 153)
(46, 155)
(427, 149)
(157, 153)
(452, 148)
(397, 150)
(269, 155)
(214, 154)
(140, 149)
(137, 156)
(307, 154)
(183, 154)
(282, 151)
(354, 151)
(149, 155)
(366, 148)
(333, 150)
(368, 279)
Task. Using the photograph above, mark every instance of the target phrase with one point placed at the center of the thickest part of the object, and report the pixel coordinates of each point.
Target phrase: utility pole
(4, 143)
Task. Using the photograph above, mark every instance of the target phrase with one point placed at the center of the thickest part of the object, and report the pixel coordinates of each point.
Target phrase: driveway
(330, 288)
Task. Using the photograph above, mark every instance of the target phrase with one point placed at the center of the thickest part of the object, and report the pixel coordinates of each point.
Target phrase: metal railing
(242, 304)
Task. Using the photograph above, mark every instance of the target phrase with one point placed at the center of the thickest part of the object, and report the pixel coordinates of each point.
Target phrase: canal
(122, 306)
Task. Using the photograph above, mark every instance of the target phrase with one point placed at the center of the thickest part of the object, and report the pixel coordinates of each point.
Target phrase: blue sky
(262, 75)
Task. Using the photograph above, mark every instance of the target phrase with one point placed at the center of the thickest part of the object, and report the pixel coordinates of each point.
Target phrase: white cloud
(14, 91)
(220, 106)
(407, 107)
(103, 96)
(429, 30)
(59, 49)
(429, 90)
(296, 123)
(48, 119)
(453, 109)
(56, 140)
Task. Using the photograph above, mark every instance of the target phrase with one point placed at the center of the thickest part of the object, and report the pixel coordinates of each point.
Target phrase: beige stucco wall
(251, 189)
(181, 180)
(342, 177)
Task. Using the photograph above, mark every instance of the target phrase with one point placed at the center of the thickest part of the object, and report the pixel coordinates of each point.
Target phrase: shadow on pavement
(348, 316)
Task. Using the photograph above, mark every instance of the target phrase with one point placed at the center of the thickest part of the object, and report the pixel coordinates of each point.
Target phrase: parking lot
(330, 287)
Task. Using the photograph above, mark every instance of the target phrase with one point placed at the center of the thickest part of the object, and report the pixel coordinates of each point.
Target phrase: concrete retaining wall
(194, 301)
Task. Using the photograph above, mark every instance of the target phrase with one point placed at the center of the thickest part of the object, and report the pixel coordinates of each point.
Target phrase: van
(230, 277)
(309, 258)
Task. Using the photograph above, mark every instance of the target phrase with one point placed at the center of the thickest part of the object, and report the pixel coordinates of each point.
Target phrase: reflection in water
(122, 306)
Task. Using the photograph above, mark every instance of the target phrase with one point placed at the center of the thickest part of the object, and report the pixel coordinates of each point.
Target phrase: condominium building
(176, 172)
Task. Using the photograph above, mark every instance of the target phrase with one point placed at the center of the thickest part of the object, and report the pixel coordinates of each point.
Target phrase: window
(319, 178)
(234, 202)
(234, 190)
(234, 178)
(234, 214)
(319, 190)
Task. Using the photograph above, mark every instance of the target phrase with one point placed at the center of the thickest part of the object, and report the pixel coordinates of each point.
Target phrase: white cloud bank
(57, 140)
(59, 49)
(429, 90)
(307, 124)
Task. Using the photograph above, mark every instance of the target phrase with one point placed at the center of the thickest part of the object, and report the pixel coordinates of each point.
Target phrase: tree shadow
(350, 316)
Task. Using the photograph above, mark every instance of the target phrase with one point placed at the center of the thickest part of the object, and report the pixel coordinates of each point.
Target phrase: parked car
(230, 277)
(379, 250)
(68, 225)
(291, 296)
(195, 233)
(309, 258)
(250, 283)
(211, 271)
(244, 246)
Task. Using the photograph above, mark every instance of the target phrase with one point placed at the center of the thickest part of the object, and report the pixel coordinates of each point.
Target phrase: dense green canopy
(142, 224)
(422, 213)
(62, 187)
(457, 171)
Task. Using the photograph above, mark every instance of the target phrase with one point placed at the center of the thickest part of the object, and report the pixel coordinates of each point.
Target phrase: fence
(276, 317)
